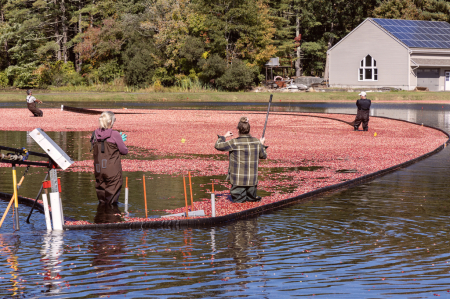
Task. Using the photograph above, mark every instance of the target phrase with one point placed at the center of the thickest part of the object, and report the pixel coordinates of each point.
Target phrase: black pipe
(26, 163)
(92, 112)
(17, 150)
(35, 201)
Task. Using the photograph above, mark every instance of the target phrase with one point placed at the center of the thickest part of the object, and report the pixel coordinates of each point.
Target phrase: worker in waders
(362, 115)
(108, 146)
(31, 103)
(245, 152)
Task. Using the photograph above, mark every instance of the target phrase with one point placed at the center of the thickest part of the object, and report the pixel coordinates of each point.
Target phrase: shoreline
(187, 97)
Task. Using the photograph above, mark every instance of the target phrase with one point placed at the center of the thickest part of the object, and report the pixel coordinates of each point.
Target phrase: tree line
(220, 44)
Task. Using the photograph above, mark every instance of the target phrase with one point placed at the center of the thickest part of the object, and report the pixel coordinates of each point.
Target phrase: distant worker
(108, 146)
(362, 115)
(31, 103)
(245, 152)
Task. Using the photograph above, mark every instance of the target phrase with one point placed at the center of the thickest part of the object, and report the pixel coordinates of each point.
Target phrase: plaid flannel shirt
(245, 152)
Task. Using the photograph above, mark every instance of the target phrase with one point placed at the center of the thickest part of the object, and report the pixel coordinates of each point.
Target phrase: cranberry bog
(309, 154)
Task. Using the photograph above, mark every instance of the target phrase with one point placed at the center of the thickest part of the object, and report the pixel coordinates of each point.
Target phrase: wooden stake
(190, 187)
(185, 197)
(145, 196)
(212, 183)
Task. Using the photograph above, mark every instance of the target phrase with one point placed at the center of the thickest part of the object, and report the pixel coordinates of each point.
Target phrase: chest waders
(107, 169)
(36, 112)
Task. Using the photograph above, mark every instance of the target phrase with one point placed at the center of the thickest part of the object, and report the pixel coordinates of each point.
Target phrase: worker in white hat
(363, 112)
(31, 103)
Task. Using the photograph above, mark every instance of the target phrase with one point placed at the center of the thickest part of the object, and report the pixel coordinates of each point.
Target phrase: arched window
(368, 69)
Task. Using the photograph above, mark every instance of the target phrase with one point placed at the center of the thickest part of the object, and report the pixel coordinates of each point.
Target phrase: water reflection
(213, 239)
(107, 214)
(108, 252)
(241, 235)
(51, 252)
(9, 247)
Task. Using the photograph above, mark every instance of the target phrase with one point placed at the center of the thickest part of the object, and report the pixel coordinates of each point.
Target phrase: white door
(447, 81)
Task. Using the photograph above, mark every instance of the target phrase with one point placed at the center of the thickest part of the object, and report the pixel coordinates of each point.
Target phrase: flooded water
(384, 239)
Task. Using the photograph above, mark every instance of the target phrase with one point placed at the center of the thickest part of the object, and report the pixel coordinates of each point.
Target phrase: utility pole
(298, 72)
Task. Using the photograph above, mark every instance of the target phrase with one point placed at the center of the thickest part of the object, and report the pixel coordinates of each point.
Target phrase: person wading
(362, 115)
(31, 103)
(108, 146)
(245, 152)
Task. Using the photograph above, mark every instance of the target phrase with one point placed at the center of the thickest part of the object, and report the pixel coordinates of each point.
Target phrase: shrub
(237, 76)
(190, 82)
(163, 76)
(212, 68)
(57, 74)
(3, 80)
(157, 86)
(22, 76)
(110, 70)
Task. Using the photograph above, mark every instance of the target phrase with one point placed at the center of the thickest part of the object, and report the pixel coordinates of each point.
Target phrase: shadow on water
(385, 238)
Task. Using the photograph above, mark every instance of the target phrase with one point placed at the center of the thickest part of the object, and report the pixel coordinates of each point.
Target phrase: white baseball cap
(362, 93)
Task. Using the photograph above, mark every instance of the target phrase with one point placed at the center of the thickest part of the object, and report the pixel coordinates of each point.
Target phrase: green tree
(238, 29)
(237, 76)
(397, 9)
(429, 10)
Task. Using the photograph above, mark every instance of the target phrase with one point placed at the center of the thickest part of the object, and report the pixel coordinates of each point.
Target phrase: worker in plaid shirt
(245, 152)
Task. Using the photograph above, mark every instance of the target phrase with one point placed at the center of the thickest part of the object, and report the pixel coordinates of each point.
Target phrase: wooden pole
(190, 187)
(145, 196)
(185, 197)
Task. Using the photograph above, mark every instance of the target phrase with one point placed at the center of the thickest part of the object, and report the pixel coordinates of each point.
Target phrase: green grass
(213, 96)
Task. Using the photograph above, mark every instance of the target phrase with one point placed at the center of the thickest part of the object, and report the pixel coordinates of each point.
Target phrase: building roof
(418, 34)
(431, 62)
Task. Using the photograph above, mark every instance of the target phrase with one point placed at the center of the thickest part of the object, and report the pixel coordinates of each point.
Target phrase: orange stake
(145, 196)
(126, 183)
(185, 197)
(190, 187)
(212, 186)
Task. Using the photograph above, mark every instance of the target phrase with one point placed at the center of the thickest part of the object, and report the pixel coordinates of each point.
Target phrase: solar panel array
(418, 34)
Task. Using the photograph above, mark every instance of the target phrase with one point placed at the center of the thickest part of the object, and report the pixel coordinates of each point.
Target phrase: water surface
(384, 239)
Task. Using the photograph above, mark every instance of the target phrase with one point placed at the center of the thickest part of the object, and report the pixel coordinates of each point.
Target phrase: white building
(392, 53)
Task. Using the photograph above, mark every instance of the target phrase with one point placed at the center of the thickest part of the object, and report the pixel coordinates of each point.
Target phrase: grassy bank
(401, 96)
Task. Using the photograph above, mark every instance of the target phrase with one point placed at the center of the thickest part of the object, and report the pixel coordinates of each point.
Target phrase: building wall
(442, 69)
(392, 59)
(413, 76)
